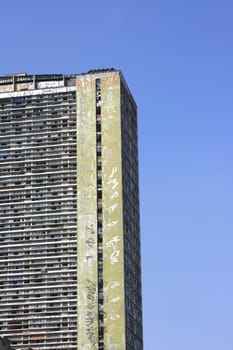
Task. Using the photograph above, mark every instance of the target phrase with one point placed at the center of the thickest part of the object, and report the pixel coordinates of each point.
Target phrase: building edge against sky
(70, 241)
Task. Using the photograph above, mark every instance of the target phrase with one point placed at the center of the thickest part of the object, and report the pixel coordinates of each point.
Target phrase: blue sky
(177, 57)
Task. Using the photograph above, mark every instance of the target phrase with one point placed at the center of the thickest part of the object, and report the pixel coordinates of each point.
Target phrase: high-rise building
(69, 213)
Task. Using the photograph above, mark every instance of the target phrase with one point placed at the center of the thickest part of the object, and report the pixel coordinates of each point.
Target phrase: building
(69, 213)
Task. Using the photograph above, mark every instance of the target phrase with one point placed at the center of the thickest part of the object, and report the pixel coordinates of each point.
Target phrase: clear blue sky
(177, 57)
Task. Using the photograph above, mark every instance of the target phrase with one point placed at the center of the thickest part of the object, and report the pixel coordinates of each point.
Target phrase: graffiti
(114, 171)
(90, 242)
(110, 96)
(114, 195)
(85, 84)
(110, 110)
(111, 285)
(82, 138)
(113, 241)
(113, 223)
(89, 257)
(110, 81)
(86, 204)
(82, 112)
(90, 312)
(82, 99)
(114, 183)
(114, 285)
(82, 123)
(86, 347)
(113, 257)
(114, 317)
(113, 207)
(115, 300)
(90, 229)
(82, 153)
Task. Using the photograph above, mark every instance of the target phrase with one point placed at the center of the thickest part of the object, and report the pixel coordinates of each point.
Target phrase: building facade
(69, 213)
